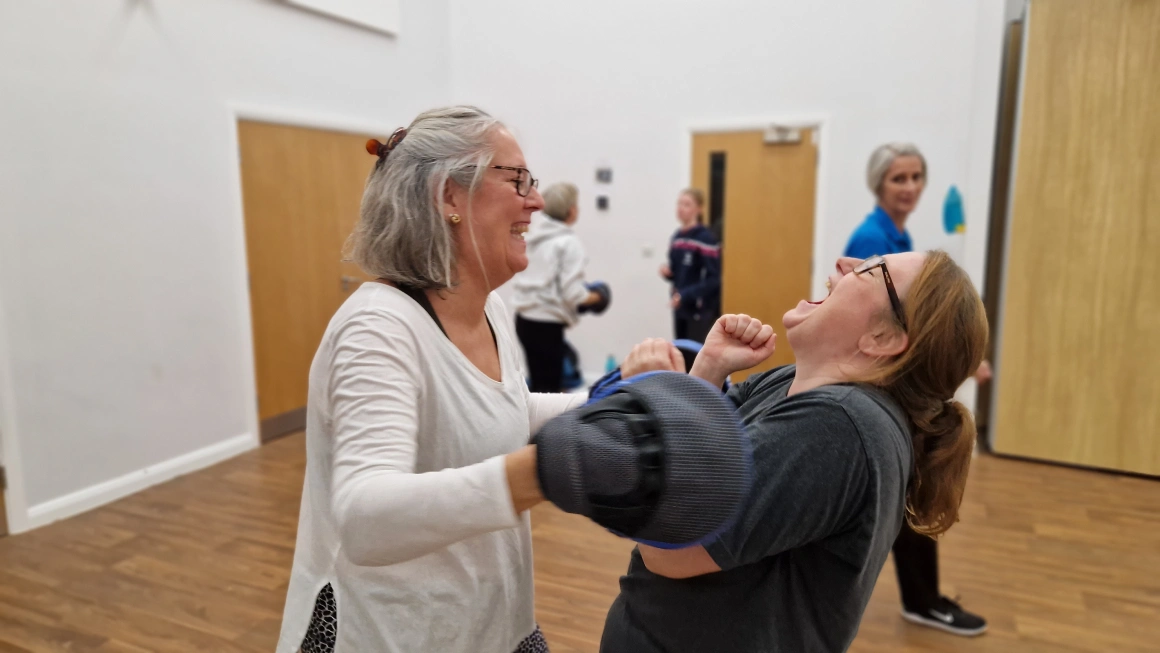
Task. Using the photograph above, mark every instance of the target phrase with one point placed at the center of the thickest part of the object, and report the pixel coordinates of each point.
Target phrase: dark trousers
(543, 344)
(694, 328)
(916, 561)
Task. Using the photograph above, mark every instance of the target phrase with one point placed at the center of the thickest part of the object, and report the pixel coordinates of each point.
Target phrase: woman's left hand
(736, 342)
(675, 301)
(652, 355)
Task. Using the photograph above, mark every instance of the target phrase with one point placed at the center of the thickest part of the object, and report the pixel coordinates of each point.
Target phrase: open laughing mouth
(829, 289)
(520, 230)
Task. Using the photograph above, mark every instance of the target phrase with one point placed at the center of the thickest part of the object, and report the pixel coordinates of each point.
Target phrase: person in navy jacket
(896, 174)
(694, 270)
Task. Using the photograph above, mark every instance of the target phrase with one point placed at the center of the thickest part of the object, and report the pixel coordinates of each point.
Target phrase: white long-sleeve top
(552, 287)
(405, 506)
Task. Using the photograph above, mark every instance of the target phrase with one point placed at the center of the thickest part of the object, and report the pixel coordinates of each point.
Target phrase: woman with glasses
(413, 533)
(861, 435)
(896, 174)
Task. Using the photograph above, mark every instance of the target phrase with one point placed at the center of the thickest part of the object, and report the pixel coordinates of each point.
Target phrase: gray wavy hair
(402, 235)
(559, 199)
(883, 157)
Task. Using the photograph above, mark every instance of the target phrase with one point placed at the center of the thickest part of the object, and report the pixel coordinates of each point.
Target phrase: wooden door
(1077, 378)
(301, 191)
(768, 224)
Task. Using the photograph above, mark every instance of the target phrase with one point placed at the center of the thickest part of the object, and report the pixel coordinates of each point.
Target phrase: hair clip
(396, 138)
(380, 149)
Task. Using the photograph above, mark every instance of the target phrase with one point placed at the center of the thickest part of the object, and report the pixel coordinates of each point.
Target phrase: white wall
(382, 15)
(125, 352)
(617, 83)
(125, 324)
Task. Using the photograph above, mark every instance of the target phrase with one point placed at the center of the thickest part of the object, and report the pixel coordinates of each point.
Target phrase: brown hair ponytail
(947, 334)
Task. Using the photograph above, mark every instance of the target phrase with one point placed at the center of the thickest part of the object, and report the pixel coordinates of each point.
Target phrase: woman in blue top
(896, 175)
(694, 269)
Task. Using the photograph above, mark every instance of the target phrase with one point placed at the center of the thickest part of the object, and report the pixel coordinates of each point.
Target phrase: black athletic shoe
(949, 616)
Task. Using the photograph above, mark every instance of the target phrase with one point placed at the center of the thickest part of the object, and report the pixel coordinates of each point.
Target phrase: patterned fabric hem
(323, 629)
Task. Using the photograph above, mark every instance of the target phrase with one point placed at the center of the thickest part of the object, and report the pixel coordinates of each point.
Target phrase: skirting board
(117, 488)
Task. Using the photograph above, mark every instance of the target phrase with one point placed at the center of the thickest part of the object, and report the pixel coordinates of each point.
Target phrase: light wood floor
(1057, 559)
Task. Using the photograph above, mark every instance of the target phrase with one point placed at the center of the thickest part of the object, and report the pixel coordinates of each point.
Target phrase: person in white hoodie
(551, 290)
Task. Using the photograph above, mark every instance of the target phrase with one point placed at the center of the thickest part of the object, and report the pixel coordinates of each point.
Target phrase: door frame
(998, 221)
(279, 116)
(14, 503)
(1005, 258)
(819, 122)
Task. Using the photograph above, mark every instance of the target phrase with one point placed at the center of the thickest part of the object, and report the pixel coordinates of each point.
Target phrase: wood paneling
(1059, 560)
(1077, 376)
(301, 191)
(767, 253)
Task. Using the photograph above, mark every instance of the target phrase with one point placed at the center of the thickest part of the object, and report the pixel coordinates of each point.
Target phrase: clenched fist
(737, 342)
(652, 355)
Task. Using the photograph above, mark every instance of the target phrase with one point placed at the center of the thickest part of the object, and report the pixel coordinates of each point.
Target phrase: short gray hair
(559, 200)
(883, 157)
(402, 235)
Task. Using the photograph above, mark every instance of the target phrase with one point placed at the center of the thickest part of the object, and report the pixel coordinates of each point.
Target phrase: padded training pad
(663, 459)
(602, 289)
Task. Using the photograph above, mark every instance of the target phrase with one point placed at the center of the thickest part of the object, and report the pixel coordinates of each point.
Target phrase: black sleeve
(811, 477)
(672, 259)
(708, 285)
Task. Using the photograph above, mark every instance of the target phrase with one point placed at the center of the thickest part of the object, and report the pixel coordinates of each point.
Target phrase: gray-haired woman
(896, 174)
(413, 534)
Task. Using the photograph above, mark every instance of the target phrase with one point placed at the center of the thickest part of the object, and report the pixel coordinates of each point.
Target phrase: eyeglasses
(524, 183)
(880, 262)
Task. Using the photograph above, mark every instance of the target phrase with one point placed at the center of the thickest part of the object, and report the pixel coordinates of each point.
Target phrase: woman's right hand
(737, 342)
(652, 355)
(666, 273)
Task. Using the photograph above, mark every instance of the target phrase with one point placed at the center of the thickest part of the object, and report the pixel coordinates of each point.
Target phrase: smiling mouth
(520, 230)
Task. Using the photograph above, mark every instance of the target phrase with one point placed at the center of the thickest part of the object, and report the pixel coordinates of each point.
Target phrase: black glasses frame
(528, 185)
(895, 303)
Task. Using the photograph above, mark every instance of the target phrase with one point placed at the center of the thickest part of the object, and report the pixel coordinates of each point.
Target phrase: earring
(454, 218)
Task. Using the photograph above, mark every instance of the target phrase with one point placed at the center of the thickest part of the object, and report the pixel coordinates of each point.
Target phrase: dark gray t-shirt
(799, 566)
